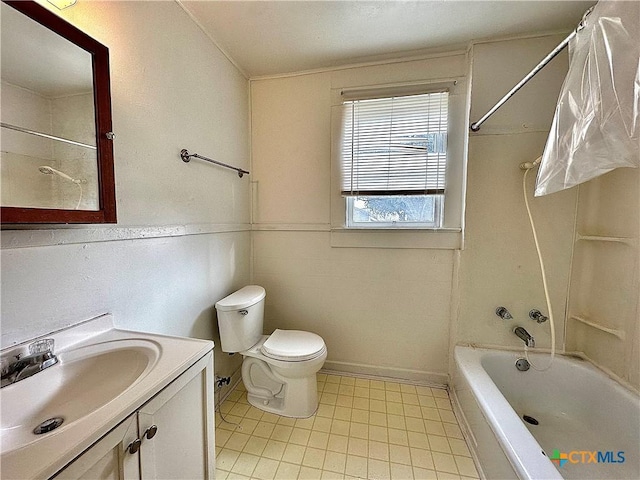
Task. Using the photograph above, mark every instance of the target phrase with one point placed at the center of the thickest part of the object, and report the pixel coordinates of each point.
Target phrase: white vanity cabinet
(170, 436)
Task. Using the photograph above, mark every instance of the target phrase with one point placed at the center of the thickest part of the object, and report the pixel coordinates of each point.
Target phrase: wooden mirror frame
(102, 107)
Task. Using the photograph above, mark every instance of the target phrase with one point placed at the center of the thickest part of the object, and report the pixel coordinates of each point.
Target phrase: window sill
(444, 238)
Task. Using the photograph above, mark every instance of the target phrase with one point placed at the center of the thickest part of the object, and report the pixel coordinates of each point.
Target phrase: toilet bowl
(278, 370)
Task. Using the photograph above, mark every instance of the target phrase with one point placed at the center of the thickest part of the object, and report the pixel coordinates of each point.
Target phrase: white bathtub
(579, 409)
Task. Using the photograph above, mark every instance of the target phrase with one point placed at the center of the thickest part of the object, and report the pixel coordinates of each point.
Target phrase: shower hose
(526, 167)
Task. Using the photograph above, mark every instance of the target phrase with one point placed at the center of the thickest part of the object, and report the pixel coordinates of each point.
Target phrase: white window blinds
(395, 145)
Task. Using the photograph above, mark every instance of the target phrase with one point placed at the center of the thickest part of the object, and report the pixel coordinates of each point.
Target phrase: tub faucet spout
(524, 336)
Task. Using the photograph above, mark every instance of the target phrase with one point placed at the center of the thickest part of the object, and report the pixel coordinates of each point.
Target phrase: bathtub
(582, 414)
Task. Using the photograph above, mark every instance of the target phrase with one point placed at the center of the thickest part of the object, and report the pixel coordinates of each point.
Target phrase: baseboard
(402, 375)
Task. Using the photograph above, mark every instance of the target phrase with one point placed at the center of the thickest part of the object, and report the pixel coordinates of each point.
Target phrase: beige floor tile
(378, 418)
(226, 458)
(358, 446)
(447, 416)
(331, 388)
(237, 441)
(342, 413)
(418, 440)
(361, 403)
(379, 434)
(435, 428)
(378, 470)
(222, 436)
(308, 473)
(427, 401)
(344, 401)
(245, 464)
(356, 466)
(466, 466)
(439, 444)
(398, 437)
(255, 446)
(265, 469)
(453, 430)
(399, 454)
(401, 471)
(300, 436)
(293, 454)
(328, 475)
(360, 416)
(443, 403)
(359, 430)
(325, 410)
(459, 447)
(337, 443)
(340, 427)
(379, 450)
(322, 424)
(287, 471)
(264, 429)
(439, 392)
(392, 386)
(306, 423)
(274, 449)
(318, 440)
(422, 458)
(363, 429)
(335, 462)
(424, 474)
(314, 457)
(444, 462)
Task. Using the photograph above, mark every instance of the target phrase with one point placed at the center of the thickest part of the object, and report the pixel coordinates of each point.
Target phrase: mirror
(56, 160)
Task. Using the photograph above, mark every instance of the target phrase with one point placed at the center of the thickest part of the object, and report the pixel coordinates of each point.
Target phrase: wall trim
(291, 227)
(69, 236)
(415, 377)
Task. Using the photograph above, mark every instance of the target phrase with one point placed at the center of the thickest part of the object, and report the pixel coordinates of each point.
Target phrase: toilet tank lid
(243, 298)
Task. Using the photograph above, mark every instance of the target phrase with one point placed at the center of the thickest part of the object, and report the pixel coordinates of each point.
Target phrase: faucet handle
(537, 315)
(503, 313)
(41, 346)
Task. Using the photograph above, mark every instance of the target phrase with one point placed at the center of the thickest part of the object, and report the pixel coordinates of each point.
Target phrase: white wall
(182, 240)
(389, 311)
(499, 266)
(605, 281)
(380, 311)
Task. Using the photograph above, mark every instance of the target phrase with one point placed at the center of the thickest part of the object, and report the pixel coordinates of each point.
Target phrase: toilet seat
(293, 346)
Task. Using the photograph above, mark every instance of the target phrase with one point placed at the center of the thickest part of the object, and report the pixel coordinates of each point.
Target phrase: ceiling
(272, 37)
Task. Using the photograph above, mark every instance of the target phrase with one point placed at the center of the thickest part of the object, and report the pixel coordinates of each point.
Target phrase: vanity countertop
(149, 362)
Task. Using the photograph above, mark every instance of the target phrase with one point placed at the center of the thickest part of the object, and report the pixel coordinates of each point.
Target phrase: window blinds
(395, 145)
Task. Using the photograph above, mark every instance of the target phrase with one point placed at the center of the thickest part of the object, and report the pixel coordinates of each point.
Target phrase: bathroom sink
(85, 379)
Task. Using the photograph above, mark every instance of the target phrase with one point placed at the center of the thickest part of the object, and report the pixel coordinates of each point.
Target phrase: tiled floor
(363, 429)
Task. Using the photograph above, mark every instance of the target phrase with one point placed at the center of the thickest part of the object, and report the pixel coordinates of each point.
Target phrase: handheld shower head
(530, 165)
(47, 170)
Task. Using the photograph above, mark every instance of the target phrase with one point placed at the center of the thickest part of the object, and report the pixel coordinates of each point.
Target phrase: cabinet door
(108, 458)
(182, 445)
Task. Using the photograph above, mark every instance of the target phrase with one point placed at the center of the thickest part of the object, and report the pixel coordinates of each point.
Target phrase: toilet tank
(240, 318)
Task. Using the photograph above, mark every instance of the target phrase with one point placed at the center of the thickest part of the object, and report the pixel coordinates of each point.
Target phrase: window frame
(450, 233)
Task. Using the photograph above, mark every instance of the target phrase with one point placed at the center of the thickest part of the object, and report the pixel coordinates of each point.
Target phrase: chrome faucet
(40, 357)
(524, 335)
(503, 313)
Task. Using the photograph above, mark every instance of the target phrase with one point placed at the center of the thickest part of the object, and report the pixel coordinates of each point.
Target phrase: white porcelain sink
(84, 380)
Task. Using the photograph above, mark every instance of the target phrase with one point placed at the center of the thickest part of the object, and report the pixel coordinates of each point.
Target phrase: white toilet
(278, 370)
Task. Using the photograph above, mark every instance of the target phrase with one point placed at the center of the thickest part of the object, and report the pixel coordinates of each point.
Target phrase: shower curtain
(596, 127)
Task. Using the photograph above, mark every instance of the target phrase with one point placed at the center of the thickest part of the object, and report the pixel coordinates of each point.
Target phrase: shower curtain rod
(186, 156)
(476, 125)
(46, 135)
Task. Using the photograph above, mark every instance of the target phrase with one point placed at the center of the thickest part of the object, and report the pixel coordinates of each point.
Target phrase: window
(393, 160)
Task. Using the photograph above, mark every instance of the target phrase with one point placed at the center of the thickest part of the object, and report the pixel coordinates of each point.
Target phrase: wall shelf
(631, 241)
(612, 331)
